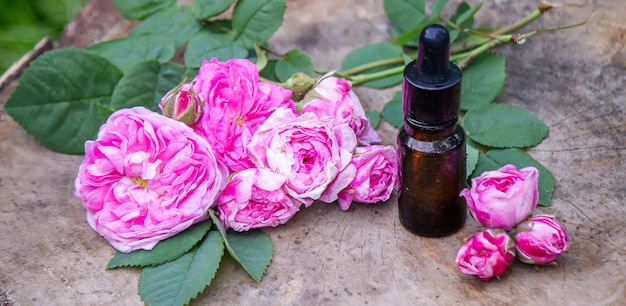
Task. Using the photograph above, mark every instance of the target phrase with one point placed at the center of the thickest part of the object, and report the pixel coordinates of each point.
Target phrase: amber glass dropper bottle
(431, 145)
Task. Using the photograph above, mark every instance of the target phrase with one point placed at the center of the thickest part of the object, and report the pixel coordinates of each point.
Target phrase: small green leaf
(294, 61)
(405, 14)
(269, 72)
(413, 34)
(374, 117)
(166, 250)
(104, 111)
(206, 45)
(483, 80)
(145, 85)
(175, 22)
(521, 159)
(466, 19)
(484, 164)
(253, 249)
(255, 21)
(438, 7)
(392, 111)
(204, 9)
(128, 51)
(504, 126)
(372, 53)
(140, 9)
(472, 159)
(57, 99)
(179, 281)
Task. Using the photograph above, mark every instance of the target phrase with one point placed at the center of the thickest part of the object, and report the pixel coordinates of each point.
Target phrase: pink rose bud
(486, 254)
(182, 104)
(300, 83)
(540, 240)
(503, 198)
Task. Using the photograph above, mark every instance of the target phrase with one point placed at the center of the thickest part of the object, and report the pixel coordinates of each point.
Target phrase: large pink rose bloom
(146, 178)
(305, 149)
(256, 198)
(235, 105)
(370, 178)
(333, 98)
(486, 254)
(540, 240)
(503, 198)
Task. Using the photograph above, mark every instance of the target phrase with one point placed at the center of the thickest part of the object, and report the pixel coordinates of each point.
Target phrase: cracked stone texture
(574, 80)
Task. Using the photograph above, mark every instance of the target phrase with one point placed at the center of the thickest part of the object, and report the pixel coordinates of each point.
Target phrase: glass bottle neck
(424, 132)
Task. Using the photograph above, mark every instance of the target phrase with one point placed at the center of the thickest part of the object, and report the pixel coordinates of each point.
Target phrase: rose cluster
(503, 200)
(230, 142)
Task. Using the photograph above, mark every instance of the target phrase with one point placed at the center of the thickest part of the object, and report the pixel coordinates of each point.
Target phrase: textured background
(573, 80)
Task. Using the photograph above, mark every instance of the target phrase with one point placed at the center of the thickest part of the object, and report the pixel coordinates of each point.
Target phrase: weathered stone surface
(574, 80)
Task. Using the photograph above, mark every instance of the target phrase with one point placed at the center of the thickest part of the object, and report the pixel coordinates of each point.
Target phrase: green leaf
(269, 72)
(175, 22)
(406, 58)
(374, 117)
(253, 249)
(57, 99)
(206, 45)
(372, 53)
(104, 111)
(405, 14)
(145, 84)
(471, 160)
(178, 281)
(294, 61)
(128, 51)
(483, 80)
(504, 126)
(438, 7)
(484, 164)
(521, 159)
(204, 9)
(140, 9)
(255, 21)
(166, 250)
(466, 19)
(413, 34)
(392, 111)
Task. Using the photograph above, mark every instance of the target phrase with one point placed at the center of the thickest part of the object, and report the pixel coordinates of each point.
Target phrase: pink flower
(370, 178)
(305, 149)
(146, 178)
(255, 198)
(486, 254)
(333, 98)
(235, 105)
(182, 104)
(540, 240)
(504, 197)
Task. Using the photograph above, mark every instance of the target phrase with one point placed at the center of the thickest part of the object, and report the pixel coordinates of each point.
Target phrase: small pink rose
(256, 198)
(540, 240)
(333, 98)
(182, 104)
(486, 254)
(235, 105)
(146, 178)
(305, 149)
(503, 198)
(370, 178)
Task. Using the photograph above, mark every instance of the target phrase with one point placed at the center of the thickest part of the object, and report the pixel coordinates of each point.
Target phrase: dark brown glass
(432, 170)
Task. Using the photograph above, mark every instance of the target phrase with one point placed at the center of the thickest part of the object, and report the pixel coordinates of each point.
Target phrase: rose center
(141, 182)
(240, 121)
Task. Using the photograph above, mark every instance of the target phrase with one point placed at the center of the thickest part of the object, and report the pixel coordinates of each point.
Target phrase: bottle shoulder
(431, 143)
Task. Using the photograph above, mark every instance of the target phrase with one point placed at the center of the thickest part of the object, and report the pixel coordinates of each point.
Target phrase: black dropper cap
(431, 91)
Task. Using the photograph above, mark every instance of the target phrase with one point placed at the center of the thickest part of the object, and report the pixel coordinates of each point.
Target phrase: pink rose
(146, 178)
(486, 254)
(182, 104)
(370, 178)
(504, 197)
(540, 240)
(255, 198)
(333, 98)
(235, 105)
(305, 149)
